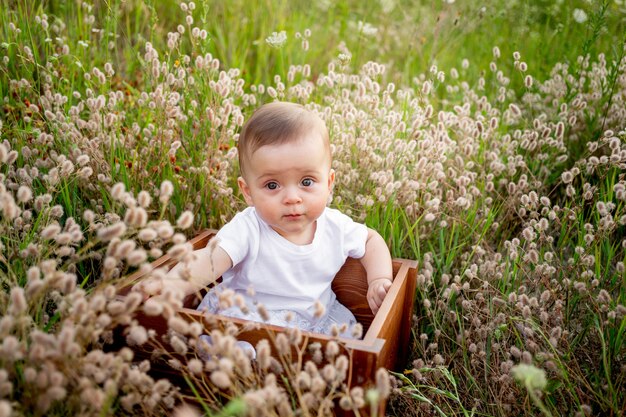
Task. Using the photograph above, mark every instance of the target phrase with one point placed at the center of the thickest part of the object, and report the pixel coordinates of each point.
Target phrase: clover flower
(366, 28)
(580, 15)
(277, 39)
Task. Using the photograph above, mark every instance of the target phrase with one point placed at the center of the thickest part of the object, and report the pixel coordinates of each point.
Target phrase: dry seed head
(270, 381)
(603, 297)
(220, 379)
(138, 335)
(180, 251)
(4, 153)
(136, 217)
(357, 396)
(185, 220)
(345, 402)
(186, 410)
(295, 335)
(89, 216)
(329, 373)
(303, 380)
(255, 400)
(382, 383)
(24, 194)
(282, 344)
(528, 81)
(318, 385)
(178, 325)
(317, 356)
(342, 364)
(310, 366)
(136, 257)
(144, 199)
(332, 349)
(118, 191)
(263, 354)
(166, 191)
(567, 177)
(165, 231)
(33, 274)
(319, 309)
(515, 352)
(179, 345)
(147, 235)
(438, 360)
(50, 231)
(18, 301)
(124, 248)
(114, 231)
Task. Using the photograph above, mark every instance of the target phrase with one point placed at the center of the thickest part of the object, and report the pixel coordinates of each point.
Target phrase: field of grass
(487, 140)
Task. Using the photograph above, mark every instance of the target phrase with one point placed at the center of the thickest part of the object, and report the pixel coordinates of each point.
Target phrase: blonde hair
(277, 123)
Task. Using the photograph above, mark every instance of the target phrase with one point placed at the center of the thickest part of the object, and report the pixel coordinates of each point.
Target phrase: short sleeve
(355, 239)
(353, 234)
(237, 236)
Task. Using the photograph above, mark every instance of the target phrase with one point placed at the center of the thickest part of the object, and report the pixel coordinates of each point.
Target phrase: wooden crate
(386, 335)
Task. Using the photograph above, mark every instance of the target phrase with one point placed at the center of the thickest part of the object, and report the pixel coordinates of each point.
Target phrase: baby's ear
(245, 191)
(331, 179)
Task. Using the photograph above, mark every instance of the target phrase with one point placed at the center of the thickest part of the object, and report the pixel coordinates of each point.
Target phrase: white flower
(24, 194)
(324, 4)
(531, 376)
(366, 29)
(277, 39)
(387, 5)
(344, 59)
(580, 16)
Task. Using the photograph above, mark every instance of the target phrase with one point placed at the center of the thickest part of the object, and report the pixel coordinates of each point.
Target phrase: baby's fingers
(376, 295)
(379, 294)
(381, 290)
(373, 305)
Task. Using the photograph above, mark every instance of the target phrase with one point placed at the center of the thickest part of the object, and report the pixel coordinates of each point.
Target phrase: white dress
(287, 279)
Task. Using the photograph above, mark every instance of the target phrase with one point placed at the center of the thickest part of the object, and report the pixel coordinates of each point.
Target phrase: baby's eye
(307, 182)
(271, 185)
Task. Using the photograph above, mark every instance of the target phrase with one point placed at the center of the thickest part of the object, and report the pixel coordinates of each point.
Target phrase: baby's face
(289, 185)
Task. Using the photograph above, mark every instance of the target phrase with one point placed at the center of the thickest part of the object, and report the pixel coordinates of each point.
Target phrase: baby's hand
(376, 293)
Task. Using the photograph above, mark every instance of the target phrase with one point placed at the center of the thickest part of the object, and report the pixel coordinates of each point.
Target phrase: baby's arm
(210, 263)
(377, 264)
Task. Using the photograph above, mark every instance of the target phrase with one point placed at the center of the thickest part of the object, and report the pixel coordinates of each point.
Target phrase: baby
(283, 251)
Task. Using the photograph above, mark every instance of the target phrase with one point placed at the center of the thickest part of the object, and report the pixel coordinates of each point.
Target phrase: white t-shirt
(282, 274)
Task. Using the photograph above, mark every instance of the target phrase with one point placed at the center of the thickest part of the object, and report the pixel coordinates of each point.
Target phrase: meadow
(485, 139)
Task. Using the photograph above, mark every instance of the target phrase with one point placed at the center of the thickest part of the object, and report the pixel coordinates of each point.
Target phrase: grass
(149, 122)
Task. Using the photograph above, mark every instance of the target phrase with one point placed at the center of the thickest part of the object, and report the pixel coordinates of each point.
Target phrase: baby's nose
(292, 196)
